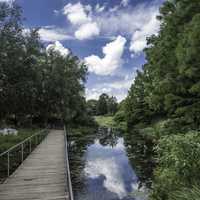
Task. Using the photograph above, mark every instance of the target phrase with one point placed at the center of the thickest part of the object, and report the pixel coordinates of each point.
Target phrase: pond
(101, 169)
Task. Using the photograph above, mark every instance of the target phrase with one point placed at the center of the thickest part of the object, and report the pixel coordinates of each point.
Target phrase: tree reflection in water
(109, 136)
(141, 155)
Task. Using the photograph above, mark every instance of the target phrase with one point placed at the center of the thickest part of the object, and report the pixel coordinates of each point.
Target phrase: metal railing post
(30, 145)
(8, 167)
(22, 149)
(36, 140)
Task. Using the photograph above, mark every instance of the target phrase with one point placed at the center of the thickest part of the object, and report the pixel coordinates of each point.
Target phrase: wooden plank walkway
(42, 175)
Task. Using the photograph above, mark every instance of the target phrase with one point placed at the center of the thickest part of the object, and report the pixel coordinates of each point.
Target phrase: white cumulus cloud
(121, 20)
(80, 17)
(53, 34)
(58, 47)
(76, 13)
(136, 23)
(117, 88)
(138, 41)
(7, 1)
(112, 60)
(86, 31)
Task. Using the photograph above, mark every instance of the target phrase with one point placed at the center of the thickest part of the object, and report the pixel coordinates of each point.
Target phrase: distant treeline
(36, 86)
(105, 105)
(163, 105)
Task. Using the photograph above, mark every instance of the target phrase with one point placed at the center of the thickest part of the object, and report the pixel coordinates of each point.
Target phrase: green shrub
(192, 193)
(179, 164)
(176, 125)
(120, 116)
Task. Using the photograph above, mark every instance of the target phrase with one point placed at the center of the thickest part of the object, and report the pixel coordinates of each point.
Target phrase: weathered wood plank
(42, 175)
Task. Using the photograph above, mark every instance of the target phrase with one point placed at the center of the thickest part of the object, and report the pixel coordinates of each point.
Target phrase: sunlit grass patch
(107, 121)
(7, 141)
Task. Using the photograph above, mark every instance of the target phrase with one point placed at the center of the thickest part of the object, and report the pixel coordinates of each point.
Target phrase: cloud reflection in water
(111, 166)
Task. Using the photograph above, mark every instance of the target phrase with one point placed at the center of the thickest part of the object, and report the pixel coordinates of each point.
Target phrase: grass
(7, 141)
(82, 130)
(107, 121)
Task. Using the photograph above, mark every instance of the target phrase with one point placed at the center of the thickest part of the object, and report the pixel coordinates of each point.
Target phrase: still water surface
(101, 169)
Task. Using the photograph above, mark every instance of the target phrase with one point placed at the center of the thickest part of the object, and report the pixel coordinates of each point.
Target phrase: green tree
(92, 107)
(112, 105)
(120, 115)
(168, 87)
(63, 86)
(36, 85)
(102, 106)
(189, 72)
(137, 109)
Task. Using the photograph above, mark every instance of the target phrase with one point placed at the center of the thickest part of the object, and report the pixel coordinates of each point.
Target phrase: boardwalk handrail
(22, 145)
(68, 175)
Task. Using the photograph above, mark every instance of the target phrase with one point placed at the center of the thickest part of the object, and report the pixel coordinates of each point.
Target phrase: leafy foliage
(36, 86)
(105, 105)
(92, 107)
(187, 193)
(179, 163)
(168, 88)
(169, 83)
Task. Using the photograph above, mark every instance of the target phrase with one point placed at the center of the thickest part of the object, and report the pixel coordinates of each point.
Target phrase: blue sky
(109, 35)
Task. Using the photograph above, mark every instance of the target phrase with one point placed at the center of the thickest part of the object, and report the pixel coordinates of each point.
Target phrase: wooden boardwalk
(42, 175)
